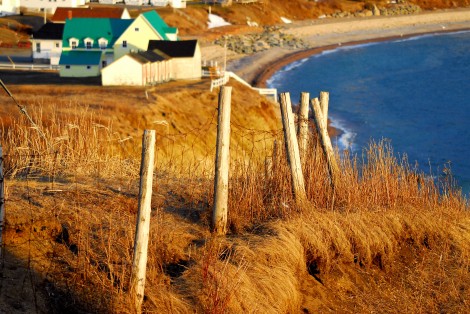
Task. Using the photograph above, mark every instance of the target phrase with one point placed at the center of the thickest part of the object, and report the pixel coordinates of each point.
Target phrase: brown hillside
(385, 241)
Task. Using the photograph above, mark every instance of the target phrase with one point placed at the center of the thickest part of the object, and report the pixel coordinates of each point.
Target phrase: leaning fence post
(325, 141)
(222, 160)
(292, 147)
(302, 130)
(324, 100)
(139, 263)
(2, 204)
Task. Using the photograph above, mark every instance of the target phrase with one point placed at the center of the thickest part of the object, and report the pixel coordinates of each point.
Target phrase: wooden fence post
(302, 130)
(324, 101)
(292, 147)
(139, 263)
(2, 204)
(222, 160)
(325, 142)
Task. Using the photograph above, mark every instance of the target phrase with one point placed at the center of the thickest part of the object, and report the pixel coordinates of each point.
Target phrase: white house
(9, 7)
(137, 69)
(47, 43)
(110, 1)
(50, 5)
(165, 60)
(172, 3)
(135, 2)
(185, 57)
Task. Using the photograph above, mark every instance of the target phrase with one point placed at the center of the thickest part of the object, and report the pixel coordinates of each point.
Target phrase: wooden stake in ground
(324, 102)
(139, 263)
(302, 130)
(292, 148)
(222, 161)
(325, 141)
(2, 204)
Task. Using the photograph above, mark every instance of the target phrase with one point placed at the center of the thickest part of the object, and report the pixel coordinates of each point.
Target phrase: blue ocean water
(414, 92)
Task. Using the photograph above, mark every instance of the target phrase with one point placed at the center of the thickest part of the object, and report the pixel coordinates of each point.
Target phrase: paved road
(16, 77)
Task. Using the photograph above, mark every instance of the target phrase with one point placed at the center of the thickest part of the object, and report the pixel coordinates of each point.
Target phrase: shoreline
(261, 77)
(329, 34)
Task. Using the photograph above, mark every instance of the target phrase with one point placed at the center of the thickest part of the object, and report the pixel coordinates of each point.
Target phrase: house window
(74, 44)
(88, 67)
(103, 45)
(88, 45)
(124, 43)
(136, 29)
(67, 66)
(38, 47)
(57, 45)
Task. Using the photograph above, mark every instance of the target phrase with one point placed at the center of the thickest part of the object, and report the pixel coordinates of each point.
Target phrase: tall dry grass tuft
(77, 143)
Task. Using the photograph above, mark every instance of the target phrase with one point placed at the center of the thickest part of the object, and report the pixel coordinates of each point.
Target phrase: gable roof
(159, 24)
(147, 56)
(49, 31)
(174, 49)
(94, 28)
(75, 57)
(61, 14)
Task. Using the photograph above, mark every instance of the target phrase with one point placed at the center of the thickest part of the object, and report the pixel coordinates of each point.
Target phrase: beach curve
(329, 34)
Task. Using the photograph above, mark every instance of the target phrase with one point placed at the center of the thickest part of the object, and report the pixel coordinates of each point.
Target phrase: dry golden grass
(388, 239)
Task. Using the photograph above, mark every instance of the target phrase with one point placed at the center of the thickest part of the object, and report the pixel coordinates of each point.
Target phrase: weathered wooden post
(324, 101)
(139, 263)
(222, 160)
(292, 148)
(325, 141)
(2, 204)
(302, 126)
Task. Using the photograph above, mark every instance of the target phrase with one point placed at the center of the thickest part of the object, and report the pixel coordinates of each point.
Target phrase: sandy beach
(327, 34)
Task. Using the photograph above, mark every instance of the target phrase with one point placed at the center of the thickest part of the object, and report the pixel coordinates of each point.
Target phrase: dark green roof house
(109, 38)
(87, 45)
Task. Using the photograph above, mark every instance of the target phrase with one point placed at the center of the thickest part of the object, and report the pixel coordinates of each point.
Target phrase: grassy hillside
(384, 241)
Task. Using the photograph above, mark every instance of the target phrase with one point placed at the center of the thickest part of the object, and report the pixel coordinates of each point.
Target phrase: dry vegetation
(387, 240)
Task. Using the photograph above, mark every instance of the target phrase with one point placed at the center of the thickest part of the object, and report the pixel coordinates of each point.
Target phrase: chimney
(69, 14)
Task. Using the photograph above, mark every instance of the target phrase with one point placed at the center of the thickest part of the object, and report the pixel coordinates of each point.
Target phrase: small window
(57, 45)
(136, 29)
(74, 44)
(124, 43)
(38, 47)
(103, 43)
(88, 67)
(88, 45)
(67, 66)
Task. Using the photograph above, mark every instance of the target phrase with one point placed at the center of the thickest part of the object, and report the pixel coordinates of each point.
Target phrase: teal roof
(159, 24)
(74, 57)
(94, 28)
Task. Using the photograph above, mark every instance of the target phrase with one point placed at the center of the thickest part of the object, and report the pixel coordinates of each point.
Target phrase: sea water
(413, 92)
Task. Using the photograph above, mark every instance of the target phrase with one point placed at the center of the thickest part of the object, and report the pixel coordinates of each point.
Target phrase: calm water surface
(414, 92)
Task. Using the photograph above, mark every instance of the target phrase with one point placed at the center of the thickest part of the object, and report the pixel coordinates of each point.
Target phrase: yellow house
(147, 26)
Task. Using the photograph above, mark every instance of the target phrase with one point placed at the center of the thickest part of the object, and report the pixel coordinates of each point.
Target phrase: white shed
(137, 69)
(185, 56)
